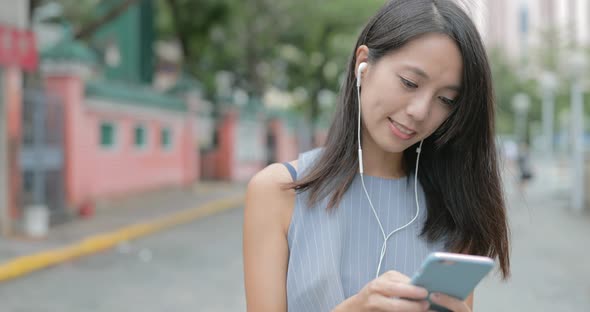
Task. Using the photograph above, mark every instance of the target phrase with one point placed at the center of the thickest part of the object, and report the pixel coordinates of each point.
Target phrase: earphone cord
(360, 151)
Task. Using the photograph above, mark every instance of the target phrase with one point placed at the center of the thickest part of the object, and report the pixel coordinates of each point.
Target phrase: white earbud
(359, 72)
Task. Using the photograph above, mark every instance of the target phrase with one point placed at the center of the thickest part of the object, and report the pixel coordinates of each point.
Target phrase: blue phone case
(452, 274)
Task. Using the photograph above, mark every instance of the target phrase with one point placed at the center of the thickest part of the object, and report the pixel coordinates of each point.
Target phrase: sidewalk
(549, 247)
(122, 218)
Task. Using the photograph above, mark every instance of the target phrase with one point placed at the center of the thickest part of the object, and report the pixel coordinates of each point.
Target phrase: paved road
(195, 267)
(550, 253)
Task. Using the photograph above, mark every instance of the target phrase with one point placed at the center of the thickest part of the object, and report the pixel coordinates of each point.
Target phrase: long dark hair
(458, 166)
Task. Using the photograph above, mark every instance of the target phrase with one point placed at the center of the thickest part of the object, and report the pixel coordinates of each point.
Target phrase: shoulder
(274, 173)
(273, 177)
(267, 199)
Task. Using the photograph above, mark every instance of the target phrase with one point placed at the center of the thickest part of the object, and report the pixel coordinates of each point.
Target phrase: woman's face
(407, 94)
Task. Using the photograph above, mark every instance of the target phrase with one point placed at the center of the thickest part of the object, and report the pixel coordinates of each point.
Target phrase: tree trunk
(87, 30)
(181, 35)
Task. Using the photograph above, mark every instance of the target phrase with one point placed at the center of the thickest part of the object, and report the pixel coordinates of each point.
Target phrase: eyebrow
(422, 73)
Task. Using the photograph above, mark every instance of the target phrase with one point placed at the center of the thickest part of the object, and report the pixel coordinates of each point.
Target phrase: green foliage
(316, 49)
(291, 45)
(303, 47)
(190, 21)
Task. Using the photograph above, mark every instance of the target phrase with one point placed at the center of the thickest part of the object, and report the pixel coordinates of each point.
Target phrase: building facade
(516, 26)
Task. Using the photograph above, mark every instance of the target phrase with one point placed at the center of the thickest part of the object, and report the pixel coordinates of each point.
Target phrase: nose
(419, 107)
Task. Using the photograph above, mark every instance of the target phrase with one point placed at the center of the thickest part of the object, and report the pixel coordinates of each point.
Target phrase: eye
(408, 84)
(447, 101)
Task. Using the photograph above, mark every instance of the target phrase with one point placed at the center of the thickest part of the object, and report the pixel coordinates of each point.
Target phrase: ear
(361, 55)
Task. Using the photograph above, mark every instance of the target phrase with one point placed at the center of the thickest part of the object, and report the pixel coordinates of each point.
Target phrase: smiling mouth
(400, 130)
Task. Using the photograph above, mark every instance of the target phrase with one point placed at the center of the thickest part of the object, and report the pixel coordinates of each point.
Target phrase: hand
(385, 293)
(449, 302)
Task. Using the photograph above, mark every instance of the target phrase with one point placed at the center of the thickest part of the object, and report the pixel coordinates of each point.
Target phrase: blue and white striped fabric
(333, 255)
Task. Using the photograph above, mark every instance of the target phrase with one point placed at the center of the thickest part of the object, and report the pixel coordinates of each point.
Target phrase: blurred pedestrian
(524, 165)
(342, 228)
(511, 154)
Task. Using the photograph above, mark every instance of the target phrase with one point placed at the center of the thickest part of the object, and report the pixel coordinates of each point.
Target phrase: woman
(327, 232)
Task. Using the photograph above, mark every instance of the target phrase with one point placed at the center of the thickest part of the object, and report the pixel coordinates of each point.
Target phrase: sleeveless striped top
(333, 255)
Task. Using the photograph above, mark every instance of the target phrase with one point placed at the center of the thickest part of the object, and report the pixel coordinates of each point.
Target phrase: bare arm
(267, 215)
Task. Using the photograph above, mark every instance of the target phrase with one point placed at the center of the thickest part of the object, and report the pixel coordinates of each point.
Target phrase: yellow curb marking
(93, 244)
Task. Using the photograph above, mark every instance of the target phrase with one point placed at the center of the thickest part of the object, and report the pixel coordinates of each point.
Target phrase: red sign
(18, 48)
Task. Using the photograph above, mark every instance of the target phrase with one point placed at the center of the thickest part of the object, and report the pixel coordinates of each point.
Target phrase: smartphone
(452, 274)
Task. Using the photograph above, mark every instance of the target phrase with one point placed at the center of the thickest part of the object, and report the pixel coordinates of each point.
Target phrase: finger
(401, 290)
(396, 276)
(381, 303)
(407, 305)
(392, 289)
(449, 302)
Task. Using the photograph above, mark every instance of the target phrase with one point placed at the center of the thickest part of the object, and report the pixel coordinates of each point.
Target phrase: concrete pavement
(191, 267)
(116, 221)
(550, 248)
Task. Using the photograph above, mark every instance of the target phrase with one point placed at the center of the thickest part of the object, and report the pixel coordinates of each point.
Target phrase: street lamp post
(577, 63)
(520, 105)
(548, 85)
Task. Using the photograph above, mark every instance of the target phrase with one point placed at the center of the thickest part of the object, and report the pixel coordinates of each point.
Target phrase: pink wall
(127, 169)
(13, 97)
(189, 151)
(69, 89)
(209, 165)
(227, 143)
(287, 146)
(93, 171)
(223, 162)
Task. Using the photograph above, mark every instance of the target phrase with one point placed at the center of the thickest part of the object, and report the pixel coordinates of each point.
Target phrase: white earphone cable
(360, 152)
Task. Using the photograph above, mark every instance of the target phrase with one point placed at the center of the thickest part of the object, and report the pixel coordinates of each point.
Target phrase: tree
(323, 34)
(190, 23)
(82, 13)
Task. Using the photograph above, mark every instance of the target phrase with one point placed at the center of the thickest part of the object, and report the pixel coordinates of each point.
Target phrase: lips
(400, 130)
